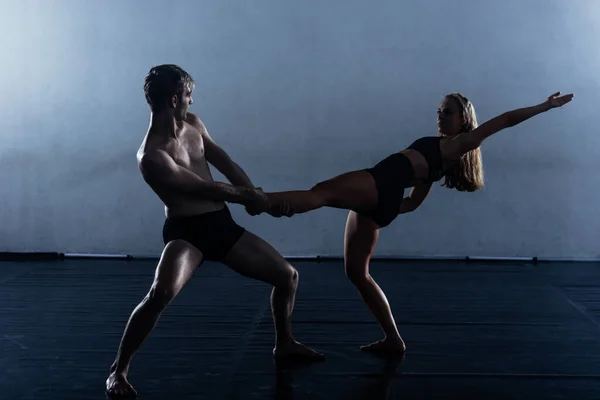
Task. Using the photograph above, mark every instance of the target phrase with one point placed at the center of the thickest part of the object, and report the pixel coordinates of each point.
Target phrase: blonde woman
(375, 196)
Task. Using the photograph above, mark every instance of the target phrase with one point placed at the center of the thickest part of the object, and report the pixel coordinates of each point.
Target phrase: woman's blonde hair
(467, 175)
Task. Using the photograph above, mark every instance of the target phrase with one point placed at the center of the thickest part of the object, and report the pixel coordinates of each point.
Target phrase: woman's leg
(359, 243)
(351, 190)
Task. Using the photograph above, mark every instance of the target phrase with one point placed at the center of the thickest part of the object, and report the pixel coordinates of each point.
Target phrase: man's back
(186, 149)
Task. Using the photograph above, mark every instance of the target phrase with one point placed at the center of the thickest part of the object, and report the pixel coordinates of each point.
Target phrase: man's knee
(288, 277)
(294, 275)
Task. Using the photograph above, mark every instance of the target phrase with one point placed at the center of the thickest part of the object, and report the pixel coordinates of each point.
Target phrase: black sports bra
(429, 147)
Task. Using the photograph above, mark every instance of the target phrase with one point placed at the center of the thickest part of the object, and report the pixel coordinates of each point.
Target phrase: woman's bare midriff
(419, 164)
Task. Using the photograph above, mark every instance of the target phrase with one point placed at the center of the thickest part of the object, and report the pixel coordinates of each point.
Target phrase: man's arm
(219, 158)
(160, 170)
(415, 198)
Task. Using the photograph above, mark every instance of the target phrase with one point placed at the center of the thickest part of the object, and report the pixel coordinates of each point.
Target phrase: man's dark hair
(163, 82)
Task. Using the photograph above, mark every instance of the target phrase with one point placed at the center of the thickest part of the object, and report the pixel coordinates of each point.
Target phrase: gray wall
(298, 92)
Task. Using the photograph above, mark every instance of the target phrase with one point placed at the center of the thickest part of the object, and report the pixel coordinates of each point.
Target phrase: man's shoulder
(152, 155)
(194, 120)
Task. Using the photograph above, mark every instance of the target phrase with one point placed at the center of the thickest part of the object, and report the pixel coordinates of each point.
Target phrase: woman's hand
(556, 100)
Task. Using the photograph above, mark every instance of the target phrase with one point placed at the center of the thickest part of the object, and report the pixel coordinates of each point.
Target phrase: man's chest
(188, 150)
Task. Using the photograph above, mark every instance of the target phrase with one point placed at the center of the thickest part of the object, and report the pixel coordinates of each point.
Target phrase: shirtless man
(173, 161)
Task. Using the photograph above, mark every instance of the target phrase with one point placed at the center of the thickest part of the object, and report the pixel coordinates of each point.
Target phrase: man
(173, 160)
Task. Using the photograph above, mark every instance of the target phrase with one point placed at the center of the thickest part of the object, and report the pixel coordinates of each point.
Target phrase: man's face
(182, 103)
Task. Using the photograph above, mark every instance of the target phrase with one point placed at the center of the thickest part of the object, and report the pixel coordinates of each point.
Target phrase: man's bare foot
(295, 349)
(118, 386)
(386, 345)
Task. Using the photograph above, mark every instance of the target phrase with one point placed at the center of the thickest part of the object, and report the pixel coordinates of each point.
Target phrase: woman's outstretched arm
(471, 140)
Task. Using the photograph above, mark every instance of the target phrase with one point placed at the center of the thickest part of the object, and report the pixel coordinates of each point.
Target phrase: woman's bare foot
(117, 386)
(295, 349)
(386, 345)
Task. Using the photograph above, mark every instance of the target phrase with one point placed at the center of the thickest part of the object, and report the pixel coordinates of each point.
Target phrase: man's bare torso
(187, 150)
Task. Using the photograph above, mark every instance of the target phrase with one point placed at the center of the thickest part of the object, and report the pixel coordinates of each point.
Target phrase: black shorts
(392, 175)
(213, 233)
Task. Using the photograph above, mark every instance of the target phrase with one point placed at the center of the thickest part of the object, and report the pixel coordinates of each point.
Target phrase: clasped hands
(258, 202)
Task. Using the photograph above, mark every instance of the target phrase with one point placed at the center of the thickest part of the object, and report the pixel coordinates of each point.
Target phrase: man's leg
(253, 257)
(178, 262)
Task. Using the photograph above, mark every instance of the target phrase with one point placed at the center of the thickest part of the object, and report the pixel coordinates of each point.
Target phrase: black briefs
(392, 175)
(213, 233)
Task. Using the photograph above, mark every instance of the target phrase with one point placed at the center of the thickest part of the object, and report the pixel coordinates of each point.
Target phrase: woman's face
(450, 120)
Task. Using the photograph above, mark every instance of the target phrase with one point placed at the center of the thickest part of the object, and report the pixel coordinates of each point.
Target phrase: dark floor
(495, 331)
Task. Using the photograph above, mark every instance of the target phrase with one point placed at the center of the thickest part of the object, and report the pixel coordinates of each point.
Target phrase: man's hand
(256, 202)
(259, 202)
(281, 208)
(253, 210)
